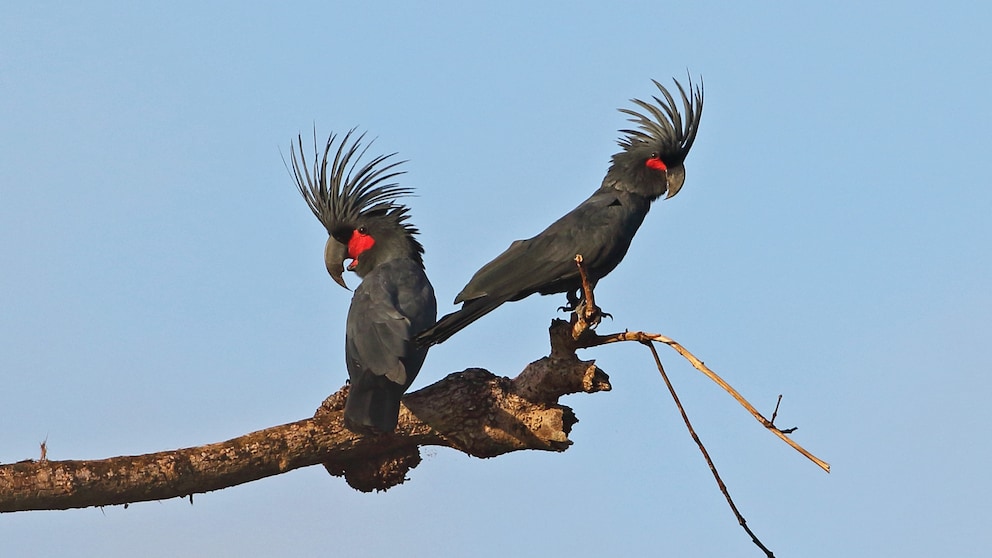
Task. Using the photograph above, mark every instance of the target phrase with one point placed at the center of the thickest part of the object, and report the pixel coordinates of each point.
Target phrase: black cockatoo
(357, 205)
(600, 229)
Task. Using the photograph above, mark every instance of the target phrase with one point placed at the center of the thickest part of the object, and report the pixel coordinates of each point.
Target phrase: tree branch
(473, 411)
(589, 339)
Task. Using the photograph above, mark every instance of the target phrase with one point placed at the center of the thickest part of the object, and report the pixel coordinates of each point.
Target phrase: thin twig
(706, 455)
(590, 307)
(639, 336)
(584, 337)
(775, 412)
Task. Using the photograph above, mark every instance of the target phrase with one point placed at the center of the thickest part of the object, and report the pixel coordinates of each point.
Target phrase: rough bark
(472, 411)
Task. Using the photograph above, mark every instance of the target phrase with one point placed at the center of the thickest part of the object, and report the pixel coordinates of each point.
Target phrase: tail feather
(373, 405)
(456, 321)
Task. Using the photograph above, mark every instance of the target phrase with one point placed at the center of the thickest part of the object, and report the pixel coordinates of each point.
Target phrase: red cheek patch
(656, 164)
(358, 244)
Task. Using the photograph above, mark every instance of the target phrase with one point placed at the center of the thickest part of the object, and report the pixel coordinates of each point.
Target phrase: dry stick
(586, 288)
(698, 365)
(585, 341)
(584, 313)
(775, 412)
(706, 455)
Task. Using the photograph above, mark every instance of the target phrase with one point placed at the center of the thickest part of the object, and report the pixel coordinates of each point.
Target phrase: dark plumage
(357, 205)
(601, 228)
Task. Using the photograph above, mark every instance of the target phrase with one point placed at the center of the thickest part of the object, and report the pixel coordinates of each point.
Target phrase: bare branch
(472, 411)
(590, 297)
(589, 339)
(583, 336)
(706, 454)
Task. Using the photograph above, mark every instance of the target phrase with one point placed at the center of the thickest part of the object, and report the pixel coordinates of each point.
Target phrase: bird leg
(574, 298)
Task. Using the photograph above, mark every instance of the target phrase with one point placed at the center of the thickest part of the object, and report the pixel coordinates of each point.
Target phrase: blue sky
(162, 283)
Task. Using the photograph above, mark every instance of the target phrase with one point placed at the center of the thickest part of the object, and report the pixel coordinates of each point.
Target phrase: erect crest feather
(661, 125)
(346, 192)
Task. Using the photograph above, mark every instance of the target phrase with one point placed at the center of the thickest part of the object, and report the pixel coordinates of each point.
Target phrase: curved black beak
(676, 177)
(335, 254)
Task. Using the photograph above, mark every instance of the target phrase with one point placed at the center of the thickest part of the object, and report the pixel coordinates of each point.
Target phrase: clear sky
(162, 283)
